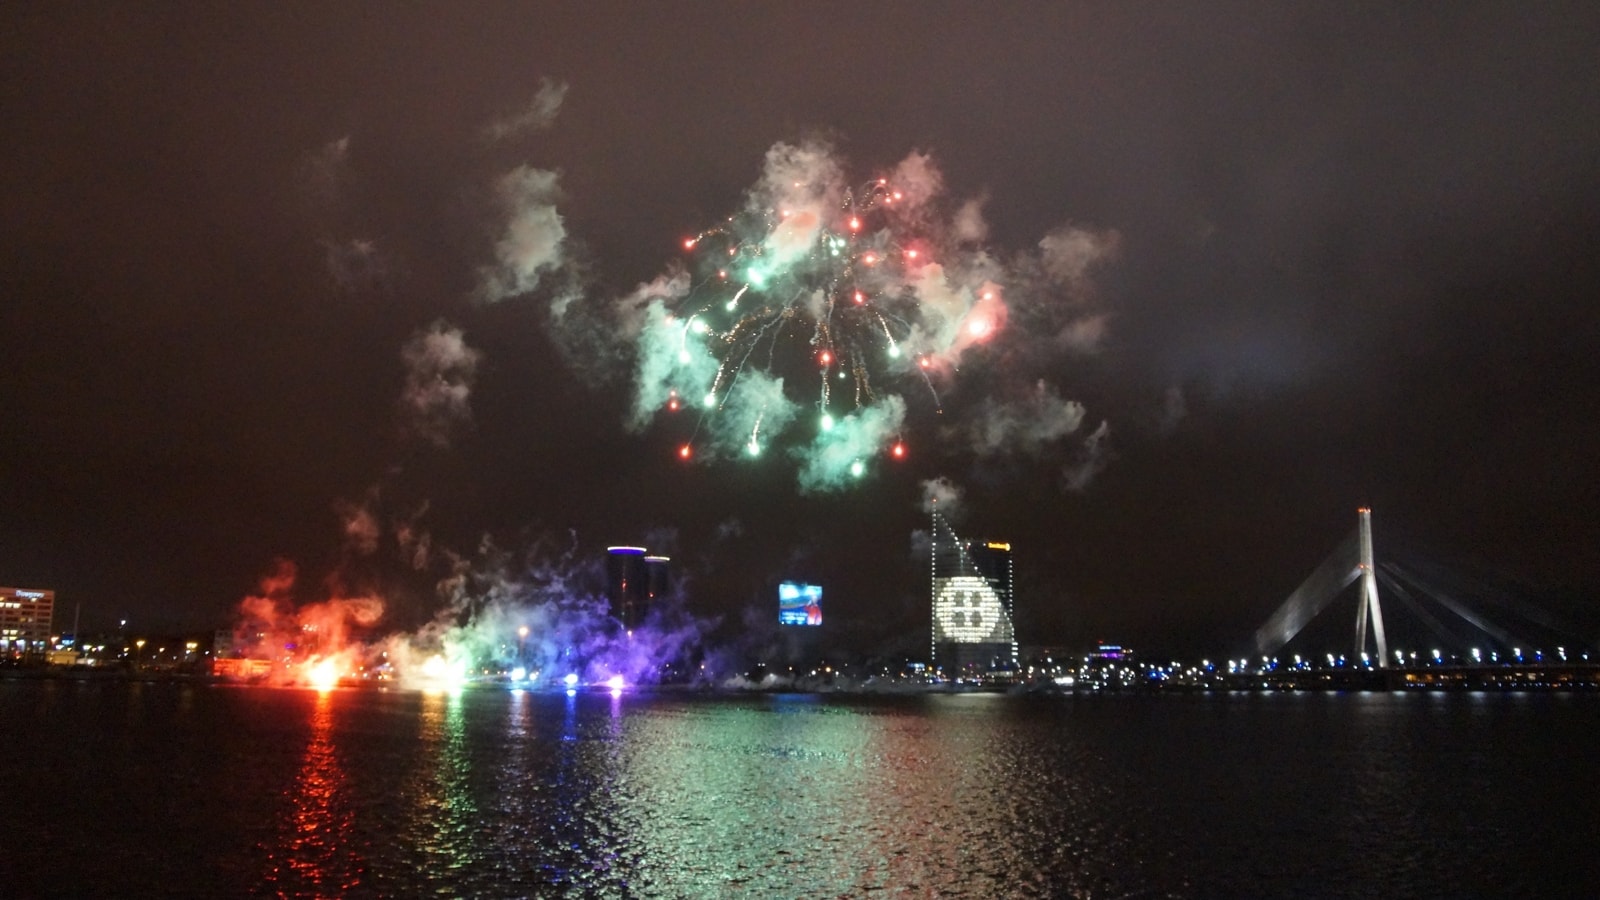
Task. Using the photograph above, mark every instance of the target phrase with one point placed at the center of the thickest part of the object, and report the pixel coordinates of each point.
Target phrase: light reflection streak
(313, 853)
(444, 816)
(518, 719)
(710, 770)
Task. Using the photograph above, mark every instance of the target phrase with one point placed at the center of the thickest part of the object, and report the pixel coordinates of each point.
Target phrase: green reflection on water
(444, 815)
(804, 796)
(746, 796)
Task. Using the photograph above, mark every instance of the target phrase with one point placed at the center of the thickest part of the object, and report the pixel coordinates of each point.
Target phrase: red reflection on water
(313, 856)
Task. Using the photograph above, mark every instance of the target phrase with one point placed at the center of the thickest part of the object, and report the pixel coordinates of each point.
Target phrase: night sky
(1352, 258)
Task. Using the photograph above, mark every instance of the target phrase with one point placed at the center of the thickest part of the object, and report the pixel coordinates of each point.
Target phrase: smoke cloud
(1174, 409)
(1026, 427)
(1086, 334)
(532, 243)
(356, 264)
(440, 369)
(1069, 253)
(272, 627)
(521, 619)
(969, 226)
(325, 172)
(1093, 456)
(943, 496)
(361, 531)
(538, 114)
(839, 454)
(413, 543)
(853, 299)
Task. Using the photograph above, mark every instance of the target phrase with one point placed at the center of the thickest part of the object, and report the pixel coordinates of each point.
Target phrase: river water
(162, 789)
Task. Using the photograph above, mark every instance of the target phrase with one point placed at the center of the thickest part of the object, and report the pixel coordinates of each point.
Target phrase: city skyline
(306, 286)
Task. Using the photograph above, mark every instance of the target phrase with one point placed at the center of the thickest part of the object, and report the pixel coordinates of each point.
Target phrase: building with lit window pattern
(26, 616)
(973, 604)
(635, 580)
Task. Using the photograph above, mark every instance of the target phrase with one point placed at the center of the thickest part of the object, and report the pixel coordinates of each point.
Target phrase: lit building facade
(973, 604)
(26, 617)
(657, 578)
(635, 580)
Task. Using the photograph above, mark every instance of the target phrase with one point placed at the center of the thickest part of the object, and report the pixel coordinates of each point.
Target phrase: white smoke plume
(918, 180)
(943, 496)
(360, 526)
(921, 544)
(799, 177)
(538, 114)
(440, 369)
(1174, 409)
(1070, 252)
(1026, 427)
(325, 172)
(356, 264)
(1092, 459)
(533, 242)
(1084, 335)
(969, 226)
(633, 311)
(413, 543)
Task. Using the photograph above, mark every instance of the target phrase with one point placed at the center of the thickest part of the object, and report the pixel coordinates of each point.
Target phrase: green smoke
(837, 456)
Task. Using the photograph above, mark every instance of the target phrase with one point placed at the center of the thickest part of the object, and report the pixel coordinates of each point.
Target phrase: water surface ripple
(172, 789)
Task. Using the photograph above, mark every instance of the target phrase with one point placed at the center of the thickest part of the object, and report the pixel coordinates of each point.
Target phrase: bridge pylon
(1368, 604)
(1350, 561)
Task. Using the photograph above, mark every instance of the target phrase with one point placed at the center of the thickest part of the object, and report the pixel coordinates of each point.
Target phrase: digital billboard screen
(799, 604)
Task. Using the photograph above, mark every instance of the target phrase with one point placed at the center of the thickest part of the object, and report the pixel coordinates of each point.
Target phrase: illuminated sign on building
(967, 610)
(799, 604)
(972, 603)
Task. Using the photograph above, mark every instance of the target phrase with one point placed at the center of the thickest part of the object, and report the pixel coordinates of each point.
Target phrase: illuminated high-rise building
(973, 604)
(635, 580)
(657, 579)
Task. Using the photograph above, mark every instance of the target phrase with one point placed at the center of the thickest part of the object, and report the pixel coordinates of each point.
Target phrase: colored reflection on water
(495, 793)
(314, 855)
(801, 796)
(442, 815)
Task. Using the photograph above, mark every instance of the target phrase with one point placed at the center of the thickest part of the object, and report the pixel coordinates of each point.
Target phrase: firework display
(820, 324)
(823, 310)
(544, 627)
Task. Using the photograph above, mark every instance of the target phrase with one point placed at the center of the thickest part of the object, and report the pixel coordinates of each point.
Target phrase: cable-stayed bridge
(1449, 617)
